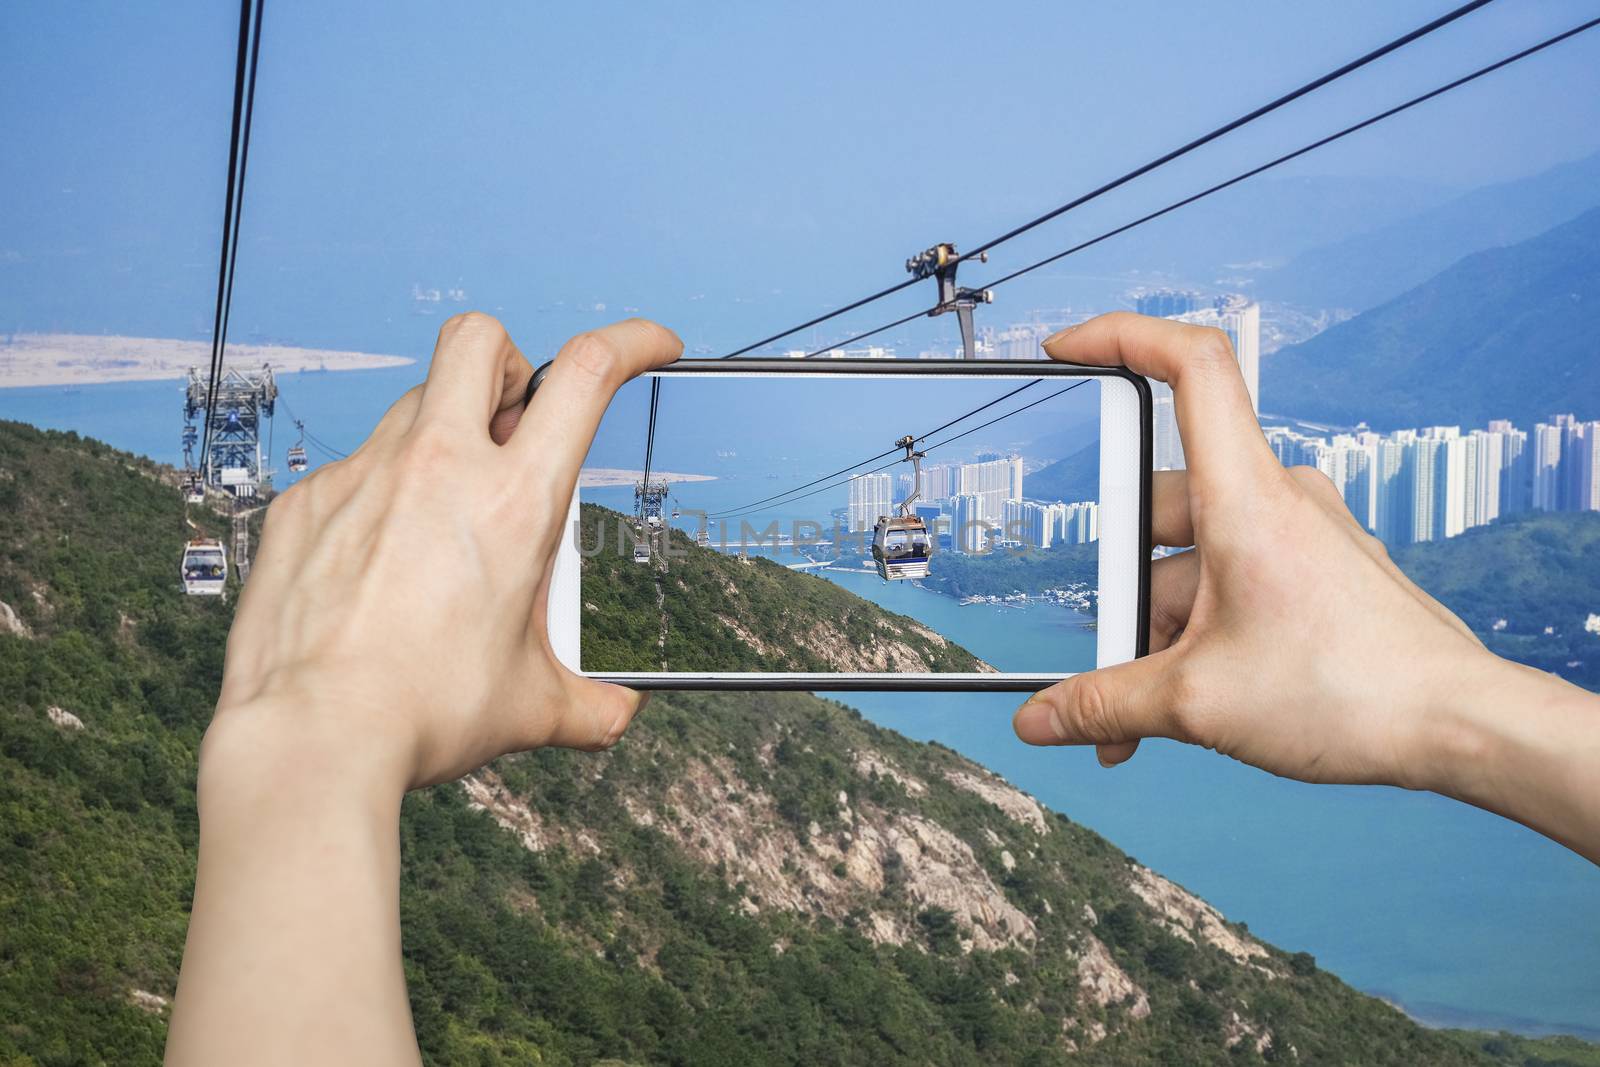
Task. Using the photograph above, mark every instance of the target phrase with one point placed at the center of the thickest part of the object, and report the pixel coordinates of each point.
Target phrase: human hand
(396, 609)
(1287, 639)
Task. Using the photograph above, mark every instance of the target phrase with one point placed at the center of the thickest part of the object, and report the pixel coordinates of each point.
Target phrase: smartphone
(859, 524)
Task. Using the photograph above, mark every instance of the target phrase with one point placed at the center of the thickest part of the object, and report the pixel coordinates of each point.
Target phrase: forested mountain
(1373, 266)
(709, 611)
(1507, 333)
(1527, 585)
(744, 879)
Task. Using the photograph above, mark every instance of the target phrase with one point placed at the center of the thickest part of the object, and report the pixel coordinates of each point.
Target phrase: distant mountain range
(1077, 477)
(1367, 268)
(1505, 333)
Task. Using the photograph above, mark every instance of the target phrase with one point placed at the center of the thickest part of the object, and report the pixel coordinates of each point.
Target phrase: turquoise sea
(1461, 917)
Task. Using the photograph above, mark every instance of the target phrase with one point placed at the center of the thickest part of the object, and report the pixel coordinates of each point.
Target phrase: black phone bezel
(902, 683)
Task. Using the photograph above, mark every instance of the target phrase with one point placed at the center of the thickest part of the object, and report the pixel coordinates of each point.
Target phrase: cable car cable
(244, 89)
(880, 455)
(930, 448)
(1280, 160)
(1317, 83)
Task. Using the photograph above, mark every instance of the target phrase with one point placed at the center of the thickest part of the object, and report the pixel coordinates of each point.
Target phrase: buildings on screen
(871, 497)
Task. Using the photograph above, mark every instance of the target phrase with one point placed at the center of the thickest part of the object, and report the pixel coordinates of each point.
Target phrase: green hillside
(744, 879)
(709, 611)
(1522, 574)
(1507, 333)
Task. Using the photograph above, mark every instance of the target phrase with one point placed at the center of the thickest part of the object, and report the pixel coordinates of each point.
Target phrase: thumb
(596, 714)
(1111, 707)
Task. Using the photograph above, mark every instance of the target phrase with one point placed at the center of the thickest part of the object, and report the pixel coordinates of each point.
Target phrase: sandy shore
(90, 359)
(593, 477)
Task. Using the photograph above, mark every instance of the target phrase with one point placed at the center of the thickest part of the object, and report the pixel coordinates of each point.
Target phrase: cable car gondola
(900, 543)
(204, 568)
(194, 488)
(641, 552)
(297, 451)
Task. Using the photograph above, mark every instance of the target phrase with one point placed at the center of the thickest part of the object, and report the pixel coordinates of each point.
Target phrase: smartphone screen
(858, 524)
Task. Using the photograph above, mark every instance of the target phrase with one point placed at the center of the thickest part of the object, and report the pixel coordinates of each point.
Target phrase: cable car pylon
(940, 263)
(900, 543)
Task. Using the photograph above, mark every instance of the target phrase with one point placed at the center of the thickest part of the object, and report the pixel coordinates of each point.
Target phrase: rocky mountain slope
(744, 879)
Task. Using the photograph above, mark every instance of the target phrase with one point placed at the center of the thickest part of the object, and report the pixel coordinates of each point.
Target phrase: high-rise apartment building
(993, 480)
(1080, 522)
(1546, 482)
(1392, 489)
(871, 497)
(1166, 303)
(1437, 482)
(1583, 453)
(969, 530)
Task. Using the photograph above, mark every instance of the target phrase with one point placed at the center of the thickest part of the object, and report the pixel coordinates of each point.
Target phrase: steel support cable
(649, 443)
(930, 448)
(1199, 142)
(1251, 173)
(244, 91)
(873, 459)
(322, 446)
(325, 447)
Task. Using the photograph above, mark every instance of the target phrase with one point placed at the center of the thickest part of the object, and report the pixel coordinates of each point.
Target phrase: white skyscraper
(1392, 506)
(1516, 476)
(1350, 462)
(968, 528)
(940, 480)
(1546, 481)
(1080, 522)
(1491, 461)
(1583, 452)
(870, 499)
(994, 481)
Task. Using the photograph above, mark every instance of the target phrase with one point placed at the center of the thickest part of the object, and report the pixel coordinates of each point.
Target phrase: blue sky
(721, 167)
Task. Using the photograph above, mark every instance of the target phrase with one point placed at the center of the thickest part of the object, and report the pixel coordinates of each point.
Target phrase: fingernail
(1058, 335)
(1035, 723)
(644, 700)
(1103, 761)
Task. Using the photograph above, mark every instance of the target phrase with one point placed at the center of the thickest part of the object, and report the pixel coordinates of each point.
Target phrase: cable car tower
(194, 490)
(940, 262)
(232, 459)
(649, 499)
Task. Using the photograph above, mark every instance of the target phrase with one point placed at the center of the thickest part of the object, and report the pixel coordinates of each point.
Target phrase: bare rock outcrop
(487, 792)
(63, 718)
(1188, 917)
(869, 763)
(11, 622)
(886, 867)
(154, 1003)
(1013, 802)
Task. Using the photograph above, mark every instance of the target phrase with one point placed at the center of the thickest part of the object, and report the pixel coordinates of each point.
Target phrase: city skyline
(1436, 482)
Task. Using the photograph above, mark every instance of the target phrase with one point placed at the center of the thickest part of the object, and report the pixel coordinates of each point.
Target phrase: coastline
(29, 360)
(597, 477)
